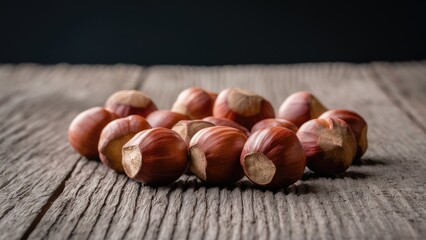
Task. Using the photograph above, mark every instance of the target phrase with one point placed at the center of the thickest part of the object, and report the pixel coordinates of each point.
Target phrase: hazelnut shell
(243, 107)
(215, 153)
(129, 102)
(85, 130)
(113, 137)
(274, 122)
(300, 107)
(194, 102)
(273, 157)
(357, 124)
(329, 145)
(165, 118)
(155, 156)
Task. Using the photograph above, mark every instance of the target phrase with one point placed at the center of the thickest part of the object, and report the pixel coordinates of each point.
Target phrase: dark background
(211, 33)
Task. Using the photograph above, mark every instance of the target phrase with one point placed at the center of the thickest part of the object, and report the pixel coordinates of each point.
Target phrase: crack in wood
(34, 123)
(89, 198)
(177, 214)
(103, 206)
(115, 208)
(134, 211)
(55, 195)
(169, 190)
(149, 214)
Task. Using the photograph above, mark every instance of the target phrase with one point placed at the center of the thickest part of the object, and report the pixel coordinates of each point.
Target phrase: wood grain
(36, 106)
(381, 199)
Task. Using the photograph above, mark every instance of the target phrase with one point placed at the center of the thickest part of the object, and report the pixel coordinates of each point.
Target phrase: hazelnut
(129, 102)
(228, 123)
(85, 130)
(165, 118)
(194, 102)
(273, 157)
(357, 125)
(329, 145)
(155, 156)
(215, 155)
(274, 122)
(241, 106)
(188, 128)
(114, 135)
(300, 107)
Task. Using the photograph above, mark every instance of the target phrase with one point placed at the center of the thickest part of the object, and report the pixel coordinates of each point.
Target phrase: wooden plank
(382, 198)
(405, 84)
(36, 106)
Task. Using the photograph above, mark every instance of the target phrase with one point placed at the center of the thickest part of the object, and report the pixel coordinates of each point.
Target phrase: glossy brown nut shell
(273, 157)
(155, 156)
(113, 137)
(130, 102)
(85, 130)
(243, 107)
(357, 124)
(274, 122)
(215, 154)
(329, 145)
(165, 118)
(300, 107)
(194, 102)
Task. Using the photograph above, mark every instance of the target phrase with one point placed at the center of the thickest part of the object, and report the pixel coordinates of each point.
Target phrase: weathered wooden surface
(36, 106)
(405, 85)
(382, 198)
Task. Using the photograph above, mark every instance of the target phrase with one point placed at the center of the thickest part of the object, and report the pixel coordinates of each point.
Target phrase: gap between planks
(143, 74)
(58, 191)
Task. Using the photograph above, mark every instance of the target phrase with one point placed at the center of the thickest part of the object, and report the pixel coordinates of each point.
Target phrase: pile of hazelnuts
(220, 138)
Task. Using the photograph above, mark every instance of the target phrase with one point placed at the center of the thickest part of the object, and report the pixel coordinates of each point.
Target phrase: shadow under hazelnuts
(368, 162)
(348, 174)
(191, 182)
